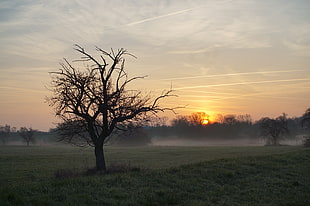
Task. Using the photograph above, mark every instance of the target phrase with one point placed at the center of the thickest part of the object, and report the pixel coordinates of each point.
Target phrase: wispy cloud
(279, 93)
(223, 98)
(159, 17)
(234, 74)
(20, 89)
(196, 51)
(241, 83)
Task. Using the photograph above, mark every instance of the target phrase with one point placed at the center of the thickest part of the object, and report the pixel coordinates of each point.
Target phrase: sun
(205, 121)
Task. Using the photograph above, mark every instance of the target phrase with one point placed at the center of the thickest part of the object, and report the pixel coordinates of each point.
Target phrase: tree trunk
(100, 161)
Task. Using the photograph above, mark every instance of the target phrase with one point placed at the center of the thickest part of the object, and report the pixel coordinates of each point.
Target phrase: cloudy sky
(223, 56)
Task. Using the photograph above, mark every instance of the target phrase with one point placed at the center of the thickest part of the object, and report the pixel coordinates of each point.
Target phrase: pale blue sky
(224, 56)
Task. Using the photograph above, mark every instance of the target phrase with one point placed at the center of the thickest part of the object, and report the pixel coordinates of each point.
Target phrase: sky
(224, 56)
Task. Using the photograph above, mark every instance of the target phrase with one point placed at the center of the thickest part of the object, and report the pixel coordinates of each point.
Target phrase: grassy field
(169, 176)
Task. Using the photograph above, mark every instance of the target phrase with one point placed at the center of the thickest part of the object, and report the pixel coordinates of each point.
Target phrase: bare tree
(4, 133)
(199, 118)
(27, 135)
(244, 119)
(273, 129)
(157, 121)
(180, 121)
(230, 119)
(305, 123)
(93, 102)
(219, 119)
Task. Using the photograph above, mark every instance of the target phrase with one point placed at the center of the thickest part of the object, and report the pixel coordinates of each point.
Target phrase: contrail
(268, 94)
(169, 14)
(240, 83)
(159, 17)
(23, 89)
(233, 74)
(231, 97)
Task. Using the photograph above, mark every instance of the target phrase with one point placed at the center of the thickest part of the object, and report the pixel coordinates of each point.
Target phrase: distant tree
(27, 134)
(219, 119)
(305, 123)
(13, 129)
(4, 133)
(180, 122)
(95, 101)
(158, 121)
(198, 118)
(230, 119)
(273, 129)
(247, 119)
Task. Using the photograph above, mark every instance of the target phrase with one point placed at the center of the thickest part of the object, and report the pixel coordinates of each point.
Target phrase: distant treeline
(197, 126)
(229, 127)
(27, 136)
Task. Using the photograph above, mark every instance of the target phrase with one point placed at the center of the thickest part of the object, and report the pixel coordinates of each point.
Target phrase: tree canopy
(94, 101)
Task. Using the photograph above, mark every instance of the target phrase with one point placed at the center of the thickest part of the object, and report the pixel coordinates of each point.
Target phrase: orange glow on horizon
(205, 121)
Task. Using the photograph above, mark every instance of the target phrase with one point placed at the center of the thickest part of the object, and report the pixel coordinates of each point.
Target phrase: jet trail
(22, 89)
(233, 74)
(159, 17)
(240, 83)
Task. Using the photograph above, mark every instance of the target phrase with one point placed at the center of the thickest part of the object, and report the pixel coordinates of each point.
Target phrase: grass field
(169, 176)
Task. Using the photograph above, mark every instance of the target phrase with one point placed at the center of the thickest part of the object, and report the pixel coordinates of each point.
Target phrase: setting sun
(205, 121)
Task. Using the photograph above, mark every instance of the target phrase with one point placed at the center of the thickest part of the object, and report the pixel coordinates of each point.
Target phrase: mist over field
(233, 130)
(215, 142)
(175, 141)
(200, 143)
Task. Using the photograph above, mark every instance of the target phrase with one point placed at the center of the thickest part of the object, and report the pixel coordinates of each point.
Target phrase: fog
(168, 137)
(38, 142)
(201, 143)
(175, 141)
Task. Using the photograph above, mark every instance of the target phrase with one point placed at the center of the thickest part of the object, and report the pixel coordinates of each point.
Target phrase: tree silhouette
(27, 134)
(4, 133)
(230, 119)
(305, 123)
(198, 118)
(94, 101)
(273, 129)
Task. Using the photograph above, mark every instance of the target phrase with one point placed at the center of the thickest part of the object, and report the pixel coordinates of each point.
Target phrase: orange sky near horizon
(240, 57)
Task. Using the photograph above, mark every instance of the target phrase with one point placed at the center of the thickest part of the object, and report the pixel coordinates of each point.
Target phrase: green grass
(177, 176)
